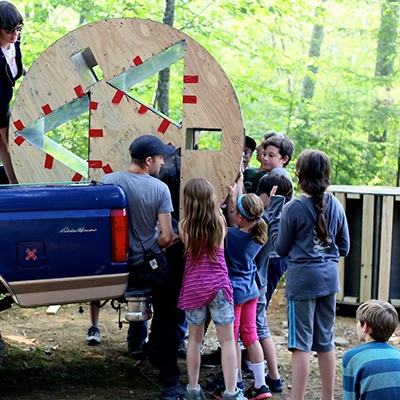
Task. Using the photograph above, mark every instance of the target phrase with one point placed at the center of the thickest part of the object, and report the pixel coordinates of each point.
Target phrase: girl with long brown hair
(206, 287)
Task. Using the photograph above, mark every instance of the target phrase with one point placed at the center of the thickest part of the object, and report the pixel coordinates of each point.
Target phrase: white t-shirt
(10, 57)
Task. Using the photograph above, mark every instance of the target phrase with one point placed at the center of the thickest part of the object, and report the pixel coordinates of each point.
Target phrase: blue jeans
(164, 334)
(137, 333)
(261, 316)
(174, 256)
(276, 268)
(182, 325)
(166, 317)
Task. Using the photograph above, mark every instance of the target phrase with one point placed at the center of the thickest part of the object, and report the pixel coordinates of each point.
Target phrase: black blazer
(7, 81)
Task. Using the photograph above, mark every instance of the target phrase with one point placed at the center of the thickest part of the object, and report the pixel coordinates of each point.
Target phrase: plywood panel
(43, 167)
(119, 47)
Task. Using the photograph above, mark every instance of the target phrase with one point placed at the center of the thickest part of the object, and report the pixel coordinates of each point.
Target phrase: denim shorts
(220, 309)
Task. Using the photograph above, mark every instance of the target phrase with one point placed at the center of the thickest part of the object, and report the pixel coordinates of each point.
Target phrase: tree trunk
(161, 100)
(314, 51)
(386, 49)
(385, 54)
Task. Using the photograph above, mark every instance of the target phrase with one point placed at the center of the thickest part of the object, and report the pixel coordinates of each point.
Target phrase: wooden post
(367, 238)
(386, 247)
(342, 198)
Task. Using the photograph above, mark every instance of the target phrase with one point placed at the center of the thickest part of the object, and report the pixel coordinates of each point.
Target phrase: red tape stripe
(46, 109)
(95, 163)
(77, 177)
(19, 140)
(118, 97)
(79, 91)
(94, 105)
(190, 79)
(19, 125)
(164, 126)
(190, 99)
(137, 60)
(107, 169)
(143, 109)
(48, 163)
(95, 132)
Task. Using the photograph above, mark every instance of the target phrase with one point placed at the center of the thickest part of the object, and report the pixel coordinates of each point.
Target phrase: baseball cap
(250, 143)
(148, 146)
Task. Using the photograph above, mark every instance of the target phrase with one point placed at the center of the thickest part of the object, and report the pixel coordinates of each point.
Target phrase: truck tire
(1, 351)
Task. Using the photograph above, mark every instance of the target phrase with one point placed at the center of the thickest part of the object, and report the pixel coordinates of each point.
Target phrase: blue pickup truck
(42, 225)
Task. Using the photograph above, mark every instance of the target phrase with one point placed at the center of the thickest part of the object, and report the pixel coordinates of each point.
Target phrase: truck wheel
(1, 351)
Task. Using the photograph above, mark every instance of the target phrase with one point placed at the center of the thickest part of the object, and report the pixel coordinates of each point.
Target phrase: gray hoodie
(312, 265)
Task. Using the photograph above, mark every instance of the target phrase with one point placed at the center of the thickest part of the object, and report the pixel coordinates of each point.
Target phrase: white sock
(259, 377)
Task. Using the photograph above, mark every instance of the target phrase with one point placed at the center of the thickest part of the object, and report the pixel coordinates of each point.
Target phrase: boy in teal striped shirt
(372, 370)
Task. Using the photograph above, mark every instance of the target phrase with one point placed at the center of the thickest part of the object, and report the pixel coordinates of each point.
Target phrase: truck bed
(56, 243)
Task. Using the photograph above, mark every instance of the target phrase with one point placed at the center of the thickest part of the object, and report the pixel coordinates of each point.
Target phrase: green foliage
(263, 47)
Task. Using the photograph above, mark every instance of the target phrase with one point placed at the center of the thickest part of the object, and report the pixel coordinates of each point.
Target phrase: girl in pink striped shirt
(206, 287)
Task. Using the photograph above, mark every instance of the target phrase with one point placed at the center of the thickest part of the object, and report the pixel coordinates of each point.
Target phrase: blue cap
(148, 146)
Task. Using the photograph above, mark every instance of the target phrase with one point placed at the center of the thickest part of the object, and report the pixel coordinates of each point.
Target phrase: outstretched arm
(235, 190)
(274, 212)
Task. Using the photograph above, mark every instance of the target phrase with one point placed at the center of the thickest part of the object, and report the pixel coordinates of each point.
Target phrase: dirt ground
(45, 356)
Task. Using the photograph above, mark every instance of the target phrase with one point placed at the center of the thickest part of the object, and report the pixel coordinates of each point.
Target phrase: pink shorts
(245, 322)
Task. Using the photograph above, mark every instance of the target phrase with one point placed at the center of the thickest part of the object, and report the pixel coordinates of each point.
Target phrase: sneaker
(150, 352)
(93, 336)
(237, 395)
(182, 350)
(194, 394)
(218, 384)
(275, 385)
(211, 360)
(258, 394)
(174, 393)
(219, 393)
(135, 350)
(202, 348)
(215, 383)
(247, 373)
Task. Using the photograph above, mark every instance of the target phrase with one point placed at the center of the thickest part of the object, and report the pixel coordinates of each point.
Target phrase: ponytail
(258, 231)
(321, 227)
(251, 207)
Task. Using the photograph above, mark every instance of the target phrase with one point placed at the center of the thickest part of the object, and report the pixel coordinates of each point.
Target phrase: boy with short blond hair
(372, 370)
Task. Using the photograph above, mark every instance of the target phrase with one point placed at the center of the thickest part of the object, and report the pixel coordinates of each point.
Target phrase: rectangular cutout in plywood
(203, 139)
(87, 68)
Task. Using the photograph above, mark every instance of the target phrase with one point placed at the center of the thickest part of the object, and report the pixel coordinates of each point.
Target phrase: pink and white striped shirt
(203, 280)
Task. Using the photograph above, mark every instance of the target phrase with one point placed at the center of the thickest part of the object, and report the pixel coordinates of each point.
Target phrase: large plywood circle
(60, 84)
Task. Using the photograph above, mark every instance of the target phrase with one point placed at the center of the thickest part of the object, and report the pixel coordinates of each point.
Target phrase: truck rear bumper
(42, 292)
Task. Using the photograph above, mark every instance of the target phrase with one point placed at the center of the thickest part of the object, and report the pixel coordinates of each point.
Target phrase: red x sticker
(30, 254)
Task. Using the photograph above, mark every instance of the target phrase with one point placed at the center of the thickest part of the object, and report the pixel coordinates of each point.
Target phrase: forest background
(325, 72)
